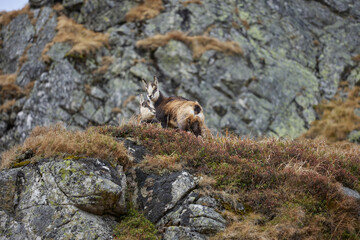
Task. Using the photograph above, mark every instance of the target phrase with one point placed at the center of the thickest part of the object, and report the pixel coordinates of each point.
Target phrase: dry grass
(186, 3)
(7, 17)
(57, 141)
(198, 44)
(9, 90)
(7, 79)
(58, 7)
(106, 61)
(245, 24)
(338, 118)
(356, 58)
(160, 163)
(7, 105)
(146, 10)
(83, 41)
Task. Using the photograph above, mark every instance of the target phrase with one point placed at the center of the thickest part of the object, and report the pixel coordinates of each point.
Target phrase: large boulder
(61, 199)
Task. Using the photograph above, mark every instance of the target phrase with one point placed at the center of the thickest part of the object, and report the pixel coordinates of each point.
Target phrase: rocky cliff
(257, 68)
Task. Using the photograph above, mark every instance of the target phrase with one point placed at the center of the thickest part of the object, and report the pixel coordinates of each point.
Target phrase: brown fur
(178, 112)
(175, 112)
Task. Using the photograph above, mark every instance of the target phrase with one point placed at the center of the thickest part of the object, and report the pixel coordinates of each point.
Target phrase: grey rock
(181, 233)
(72, 3)
(8, 188)
(158, 194)
(3, 127)
(98, 93)
(100, 15)
(58, 200)
(351, 193)
(39, 3)
(354, 136)
(16, 37)
(30, 71)
(171, 200)
(50, 92)
(58, 51)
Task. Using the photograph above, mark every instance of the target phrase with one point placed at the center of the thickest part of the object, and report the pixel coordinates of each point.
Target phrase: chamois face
(147, 111)
(152, 89)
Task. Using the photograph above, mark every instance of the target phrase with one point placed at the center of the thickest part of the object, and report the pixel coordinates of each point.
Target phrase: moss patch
(134, 226)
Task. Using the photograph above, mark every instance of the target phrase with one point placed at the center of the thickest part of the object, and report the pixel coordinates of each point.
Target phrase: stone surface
(172, 202)
(61, 199)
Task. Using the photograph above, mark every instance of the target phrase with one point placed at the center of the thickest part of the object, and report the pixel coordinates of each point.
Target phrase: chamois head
(152, 89)
(147, 111)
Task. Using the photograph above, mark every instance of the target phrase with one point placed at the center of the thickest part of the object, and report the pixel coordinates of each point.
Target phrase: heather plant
(271, 177)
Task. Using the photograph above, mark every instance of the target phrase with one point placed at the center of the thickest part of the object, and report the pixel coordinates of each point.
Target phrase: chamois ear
(155, 80)
(145, 85)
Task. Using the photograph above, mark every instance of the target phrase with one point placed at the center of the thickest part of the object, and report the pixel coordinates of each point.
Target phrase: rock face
(296, 54)
(61, 199)
(174, 204)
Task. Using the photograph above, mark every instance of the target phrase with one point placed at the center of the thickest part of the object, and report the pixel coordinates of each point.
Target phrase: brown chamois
(175, 112)
(147, 111)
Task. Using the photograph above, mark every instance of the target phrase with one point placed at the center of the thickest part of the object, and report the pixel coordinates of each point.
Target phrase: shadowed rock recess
(290, 56)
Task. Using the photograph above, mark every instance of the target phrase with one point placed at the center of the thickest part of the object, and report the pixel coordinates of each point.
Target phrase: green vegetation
(134, 226)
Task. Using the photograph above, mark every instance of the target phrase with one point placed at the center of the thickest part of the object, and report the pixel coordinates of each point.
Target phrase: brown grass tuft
(128, 100)
(245, 24)
(58, 7)
(186, 3)
(160, 163)
(356, 58)
(198, 44)
(9, 90)
(116, 110)
(7, 79)
(7, 17)
(148, 9)
(7, 105)
(83, 41)
(338, 118)
(106, 61)
(57, 141)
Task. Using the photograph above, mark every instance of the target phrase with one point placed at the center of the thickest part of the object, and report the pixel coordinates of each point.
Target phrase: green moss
(135, 226)
(71, 157)
(21, 164)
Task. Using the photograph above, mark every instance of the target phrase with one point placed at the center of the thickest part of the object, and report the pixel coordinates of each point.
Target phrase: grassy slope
(290, 188)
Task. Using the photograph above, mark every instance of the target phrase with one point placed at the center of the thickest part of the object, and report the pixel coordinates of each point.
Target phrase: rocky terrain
(258, 68)
(294, 55)
(145, 182)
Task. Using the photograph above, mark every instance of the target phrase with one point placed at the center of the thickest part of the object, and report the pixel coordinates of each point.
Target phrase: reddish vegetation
(291, 185)
(338, 118)
(198, 44)
(148, 9)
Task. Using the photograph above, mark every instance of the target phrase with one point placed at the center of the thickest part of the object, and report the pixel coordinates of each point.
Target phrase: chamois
(175, 112)
(147, 111)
